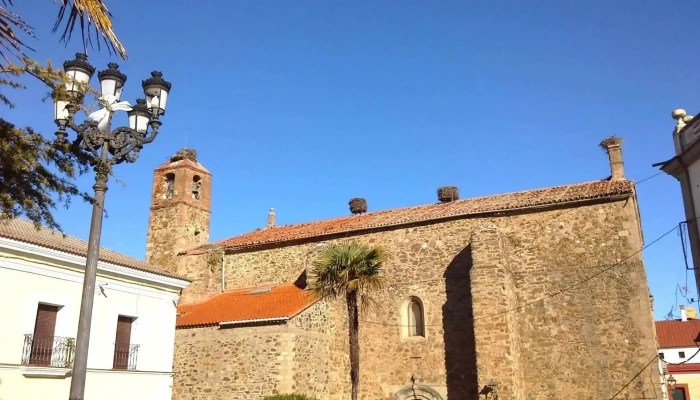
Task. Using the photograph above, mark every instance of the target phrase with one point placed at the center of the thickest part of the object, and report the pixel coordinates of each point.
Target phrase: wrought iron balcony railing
(125, 356)
(48, 351)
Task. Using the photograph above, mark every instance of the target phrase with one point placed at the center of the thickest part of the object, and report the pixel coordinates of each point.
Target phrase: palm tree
(351, 270)
(88, 14)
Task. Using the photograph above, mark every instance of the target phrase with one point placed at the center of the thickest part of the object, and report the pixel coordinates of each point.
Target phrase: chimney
(613, 145)
(684, 314)
(271, 218)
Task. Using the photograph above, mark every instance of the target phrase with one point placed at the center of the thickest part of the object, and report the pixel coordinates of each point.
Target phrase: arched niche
(417, 392)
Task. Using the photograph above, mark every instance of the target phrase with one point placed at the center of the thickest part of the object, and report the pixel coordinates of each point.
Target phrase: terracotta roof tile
(677, 333)
(500, 202)
(24, 231)
(279, 301)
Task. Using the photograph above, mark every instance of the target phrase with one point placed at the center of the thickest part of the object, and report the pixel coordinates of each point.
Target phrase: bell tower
(180, 209)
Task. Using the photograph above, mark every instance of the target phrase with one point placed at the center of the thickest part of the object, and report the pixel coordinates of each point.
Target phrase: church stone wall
(251, 362)
(587, 342)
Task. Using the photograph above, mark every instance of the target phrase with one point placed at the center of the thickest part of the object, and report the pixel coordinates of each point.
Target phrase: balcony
(125, 356)
(48, 351)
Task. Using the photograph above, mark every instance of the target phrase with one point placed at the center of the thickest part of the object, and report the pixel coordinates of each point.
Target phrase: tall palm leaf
(350, 270)
(92, 16)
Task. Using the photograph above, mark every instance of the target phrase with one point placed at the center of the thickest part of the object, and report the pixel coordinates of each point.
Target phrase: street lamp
(671, 383)
(105, 148)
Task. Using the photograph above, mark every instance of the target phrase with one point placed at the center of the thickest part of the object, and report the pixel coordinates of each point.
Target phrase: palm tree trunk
(354, 336)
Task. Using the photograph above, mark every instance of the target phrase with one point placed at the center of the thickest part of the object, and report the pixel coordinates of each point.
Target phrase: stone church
(530, 295)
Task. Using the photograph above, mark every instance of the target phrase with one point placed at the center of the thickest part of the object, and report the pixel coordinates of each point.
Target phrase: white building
(133, 324)
(679, 349)
(685, 166)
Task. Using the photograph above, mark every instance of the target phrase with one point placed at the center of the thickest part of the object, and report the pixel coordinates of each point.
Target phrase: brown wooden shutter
(122, 341)
(123, 330)
(45, 320)
(43, 339)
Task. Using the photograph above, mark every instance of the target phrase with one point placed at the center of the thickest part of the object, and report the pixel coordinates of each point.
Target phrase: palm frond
(347, 267)
(10, 44)
(92, 14)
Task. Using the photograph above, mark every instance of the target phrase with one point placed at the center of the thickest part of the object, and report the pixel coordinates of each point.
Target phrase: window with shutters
(42, 341)
(125, 352)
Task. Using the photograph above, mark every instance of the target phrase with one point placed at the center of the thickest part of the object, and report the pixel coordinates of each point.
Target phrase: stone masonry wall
(251, 362)
(585, 343)
(492, 282)
(179, 222)
(311, 368)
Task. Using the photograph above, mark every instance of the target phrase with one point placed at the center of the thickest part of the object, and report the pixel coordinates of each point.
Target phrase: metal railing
(48, 351)
(125, 356)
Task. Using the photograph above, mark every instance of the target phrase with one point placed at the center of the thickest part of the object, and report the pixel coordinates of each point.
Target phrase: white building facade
(685, 166)
(133, 323)
(679, 353)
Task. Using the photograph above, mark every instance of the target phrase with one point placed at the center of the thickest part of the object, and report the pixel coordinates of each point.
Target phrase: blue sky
(301, 105)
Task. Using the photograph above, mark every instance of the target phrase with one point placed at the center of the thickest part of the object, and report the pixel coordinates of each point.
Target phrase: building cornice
(78, 262)
(680, 163)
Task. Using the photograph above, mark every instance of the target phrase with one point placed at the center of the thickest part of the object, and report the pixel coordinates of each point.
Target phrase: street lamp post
(105, 147)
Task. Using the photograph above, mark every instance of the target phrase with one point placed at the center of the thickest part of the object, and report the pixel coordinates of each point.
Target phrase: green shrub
(289, 397)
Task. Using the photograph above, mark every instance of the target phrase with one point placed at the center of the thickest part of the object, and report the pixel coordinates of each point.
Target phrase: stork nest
(447, 194)
(185, 154)
(358, 205)
(611, 141)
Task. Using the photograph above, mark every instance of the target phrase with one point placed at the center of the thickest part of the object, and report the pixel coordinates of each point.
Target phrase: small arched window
(196, 185)
(169, 186)
(414, 318)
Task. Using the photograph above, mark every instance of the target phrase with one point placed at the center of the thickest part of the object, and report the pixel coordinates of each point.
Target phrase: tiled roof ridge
(15, 229)
(232, 291)
(560, 194)
(67, 236)
(422, 205)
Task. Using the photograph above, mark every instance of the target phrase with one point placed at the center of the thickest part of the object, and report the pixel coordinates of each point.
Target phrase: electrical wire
(649, 177)
(633, 378)
(566, 289)
(651, 373)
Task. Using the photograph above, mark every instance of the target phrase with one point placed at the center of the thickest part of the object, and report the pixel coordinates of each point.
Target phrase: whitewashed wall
(26, 281)
(671, 355)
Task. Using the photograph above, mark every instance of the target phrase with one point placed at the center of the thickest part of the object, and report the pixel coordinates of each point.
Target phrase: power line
(647, 366)
(566, 289)
(634, 377)
(649, 177)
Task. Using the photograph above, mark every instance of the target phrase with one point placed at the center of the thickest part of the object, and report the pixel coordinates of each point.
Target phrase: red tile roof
(239, 305)
(677, 333)
(478, 205)
(24, 230)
